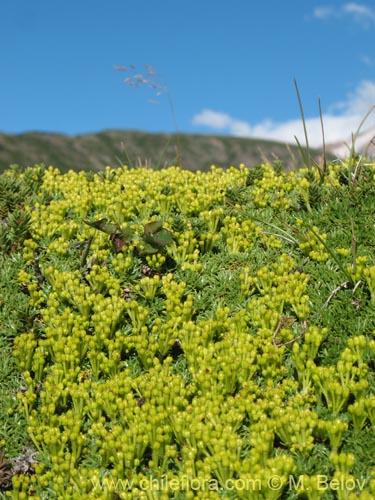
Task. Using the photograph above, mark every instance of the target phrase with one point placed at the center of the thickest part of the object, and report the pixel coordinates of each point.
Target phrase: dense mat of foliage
(206, 335)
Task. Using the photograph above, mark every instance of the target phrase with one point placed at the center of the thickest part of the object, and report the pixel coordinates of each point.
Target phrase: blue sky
(226, 67)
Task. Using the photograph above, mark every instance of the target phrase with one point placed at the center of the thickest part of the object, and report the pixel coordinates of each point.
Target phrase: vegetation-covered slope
(116, 147)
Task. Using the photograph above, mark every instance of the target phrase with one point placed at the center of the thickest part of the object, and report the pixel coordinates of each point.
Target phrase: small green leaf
(161, 238)
(126, 234)
(153, 227)
(105, 226)
(148, 249)
(113, 229)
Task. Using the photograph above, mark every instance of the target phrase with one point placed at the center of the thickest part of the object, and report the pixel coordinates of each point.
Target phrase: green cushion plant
(184, 350)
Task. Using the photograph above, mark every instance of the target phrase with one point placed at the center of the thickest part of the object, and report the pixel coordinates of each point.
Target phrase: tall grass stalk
(323, 168)
(306, 157)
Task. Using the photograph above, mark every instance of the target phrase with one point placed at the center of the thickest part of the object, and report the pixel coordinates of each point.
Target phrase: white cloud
(361, 100)
(360, 13)
(323, 12)
(222, 121)
(368, 61)
(337, 126)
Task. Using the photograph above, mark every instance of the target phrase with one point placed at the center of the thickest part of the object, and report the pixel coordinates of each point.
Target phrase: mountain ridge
(94, 151)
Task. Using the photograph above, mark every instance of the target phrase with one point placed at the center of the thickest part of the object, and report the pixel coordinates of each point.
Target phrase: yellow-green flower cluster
(279, 191)
(313, 245)
(304, 355)
(360, 270)
(277, 290)
(365, 273)
(349, 376)
(238, 236)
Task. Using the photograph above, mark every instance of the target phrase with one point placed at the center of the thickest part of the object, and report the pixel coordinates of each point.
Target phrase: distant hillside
(115, 147)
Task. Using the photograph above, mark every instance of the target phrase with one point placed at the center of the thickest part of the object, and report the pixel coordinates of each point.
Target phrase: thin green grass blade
(308, 164)
(302, 152)
(323, 169)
